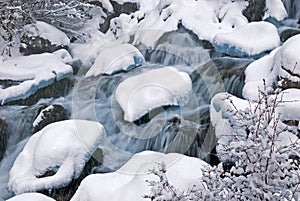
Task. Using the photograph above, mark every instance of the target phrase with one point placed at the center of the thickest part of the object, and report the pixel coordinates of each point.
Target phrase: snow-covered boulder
(250, 40)
(31, 197)
(117, 58)
(22, 76)
(42, 37)
(129, 182)
(139, 94)
(62, 148)
(281, 65)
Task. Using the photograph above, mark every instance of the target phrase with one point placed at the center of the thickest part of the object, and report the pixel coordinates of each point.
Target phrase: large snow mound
(46, 31)
(139, 94)
(31, 197)
(116, 58)
(63, 147)
(282, 62)
(250, 40)
(129, 182)
(32, 73)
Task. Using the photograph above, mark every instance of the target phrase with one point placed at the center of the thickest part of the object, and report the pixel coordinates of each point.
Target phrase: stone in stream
(3, 137)
(47, 115)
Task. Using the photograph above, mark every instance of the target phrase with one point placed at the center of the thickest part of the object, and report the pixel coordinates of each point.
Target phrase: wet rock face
(57, 89)
(3, 137)
(255, 10)
(288, 33)
(48, 116)
(38, 45)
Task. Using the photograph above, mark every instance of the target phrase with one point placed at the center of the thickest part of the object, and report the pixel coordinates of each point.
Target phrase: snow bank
(139, 94)
(129, 182)
(282, 62)
(31, 197)
(250, 40)
(205, 18)
(46, 31)
(32, 73)
(116, 58)
(63, 147)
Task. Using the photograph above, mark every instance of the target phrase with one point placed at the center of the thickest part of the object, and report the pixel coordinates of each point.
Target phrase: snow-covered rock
(205, 18)
(46, 31)
(276, 9)
(31, 197)
(139, 94)
(30, 73)
(41, 37)
(250, 40)
(116, 58)
(282, 63)
(129, 182)
(62, 147)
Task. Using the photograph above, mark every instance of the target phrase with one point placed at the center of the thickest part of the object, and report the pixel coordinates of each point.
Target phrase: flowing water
(183, 129)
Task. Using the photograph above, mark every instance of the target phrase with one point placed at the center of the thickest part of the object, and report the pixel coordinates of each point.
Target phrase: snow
(205, 18)
(116, 58)
(46, 31)
(276, 9)
(31, 197)
(280, 62)
(33, 72)
(250, 40)
(41, 116)
(63, 146)
(139, 94)
(129, 182)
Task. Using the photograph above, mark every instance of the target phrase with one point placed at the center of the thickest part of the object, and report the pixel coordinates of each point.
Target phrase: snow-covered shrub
(259, 166)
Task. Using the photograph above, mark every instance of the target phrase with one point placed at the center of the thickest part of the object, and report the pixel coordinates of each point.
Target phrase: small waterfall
(179, 47)
(293, 8)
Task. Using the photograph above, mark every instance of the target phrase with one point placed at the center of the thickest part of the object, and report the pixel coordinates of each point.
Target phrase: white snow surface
(139, 94)
(157, 17)
(283, 61)
(129, 182)
(31, 197)
(47, 31)
(251, 39)
(276, 9)
(63, 146)
(33, 72)
(116, 58)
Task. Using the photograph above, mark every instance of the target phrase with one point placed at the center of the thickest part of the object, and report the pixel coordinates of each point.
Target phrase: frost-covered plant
(162, 190)
(257, 167)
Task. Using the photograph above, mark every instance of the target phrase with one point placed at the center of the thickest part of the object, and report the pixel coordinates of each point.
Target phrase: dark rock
(285, 83)
(38, 45)
(57, 89)
(125, 8)
(8, 83)
(288, 33)
(66, 193)
(3, 137)
(255, 10)
(56, 113)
